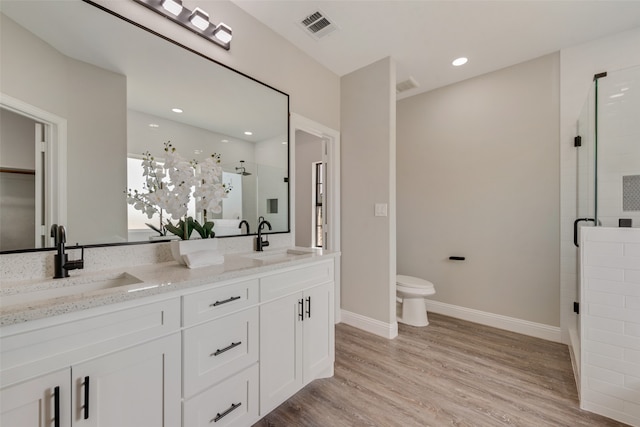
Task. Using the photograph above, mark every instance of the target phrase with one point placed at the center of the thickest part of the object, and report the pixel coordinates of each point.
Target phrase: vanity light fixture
(196, 21)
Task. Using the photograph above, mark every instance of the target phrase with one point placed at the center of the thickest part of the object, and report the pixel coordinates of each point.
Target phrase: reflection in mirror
(99, 92)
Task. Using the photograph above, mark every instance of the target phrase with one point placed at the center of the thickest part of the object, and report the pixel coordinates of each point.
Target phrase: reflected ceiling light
(224, 140)
(196, 21)
(459, 61)
(284, 142)
(248, 133)
(177, 110)
(616, 95)
(154, 125)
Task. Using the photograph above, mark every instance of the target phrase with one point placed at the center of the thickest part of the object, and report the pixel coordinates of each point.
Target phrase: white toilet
(410, 292)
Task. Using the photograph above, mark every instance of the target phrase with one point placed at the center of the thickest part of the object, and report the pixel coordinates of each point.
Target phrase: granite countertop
(22, 301)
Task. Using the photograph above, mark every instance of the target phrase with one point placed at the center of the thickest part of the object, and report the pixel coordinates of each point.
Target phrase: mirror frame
(218, 63)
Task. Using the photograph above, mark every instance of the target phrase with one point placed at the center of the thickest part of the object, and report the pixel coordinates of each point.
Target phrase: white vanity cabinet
(130, 360)
(296, 332)
(223, 354)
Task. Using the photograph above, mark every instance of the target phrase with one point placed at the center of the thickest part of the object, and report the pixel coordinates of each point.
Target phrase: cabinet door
(40, 402)
(139, 386)
(280, 351)
(318, 333)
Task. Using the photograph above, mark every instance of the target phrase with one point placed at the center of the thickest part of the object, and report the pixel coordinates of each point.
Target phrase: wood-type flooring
(450, 373)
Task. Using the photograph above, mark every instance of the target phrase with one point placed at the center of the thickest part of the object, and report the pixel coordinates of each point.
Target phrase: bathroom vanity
(162, 345)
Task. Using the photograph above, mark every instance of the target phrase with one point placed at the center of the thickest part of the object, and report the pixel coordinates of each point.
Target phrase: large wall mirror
(86, 93)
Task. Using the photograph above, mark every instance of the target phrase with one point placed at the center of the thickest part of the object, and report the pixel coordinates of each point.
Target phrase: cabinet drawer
(233, 402)
(219, 348)
(281, 284)
(217, 302)
(42, 350)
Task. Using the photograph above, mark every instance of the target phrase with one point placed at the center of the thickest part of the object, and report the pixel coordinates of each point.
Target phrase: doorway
(326, 141)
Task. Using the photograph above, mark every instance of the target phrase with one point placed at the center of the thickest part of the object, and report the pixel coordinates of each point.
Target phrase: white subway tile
(632, 383)
(601, 323)
(632, 276)
(605, 298)
(632, 355)
(633, 303)
(613, 287)
(632, 250)
(605, 375)
(609, 389)
(603, 349)
(633, 407)
(603, 400)
(604, 273)
(623, 341)
(613, 249)
(620, 366)
(632, 329)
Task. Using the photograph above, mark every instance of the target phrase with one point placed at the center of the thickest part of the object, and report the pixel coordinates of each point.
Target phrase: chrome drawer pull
(217, 303)
(220, 416)
(233, 344)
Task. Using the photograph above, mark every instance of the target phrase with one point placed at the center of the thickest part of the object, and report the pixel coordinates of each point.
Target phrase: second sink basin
(67, 289)
(279, 255)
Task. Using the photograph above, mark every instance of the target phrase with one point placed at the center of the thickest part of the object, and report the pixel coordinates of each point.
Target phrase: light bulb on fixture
(174, 7)
(200, 19)
(223, 33)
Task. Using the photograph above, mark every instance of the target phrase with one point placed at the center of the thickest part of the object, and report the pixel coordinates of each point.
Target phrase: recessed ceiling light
(154, 125)
(459, 61)
(177, 110)
(248, 133)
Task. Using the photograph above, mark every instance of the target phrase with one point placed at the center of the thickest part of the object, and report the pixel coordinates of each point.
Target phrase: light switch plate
(381, 209)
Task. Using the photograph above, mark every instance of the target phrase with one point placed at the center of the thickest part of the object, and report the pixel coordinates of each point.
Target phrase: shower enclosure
(608, 196)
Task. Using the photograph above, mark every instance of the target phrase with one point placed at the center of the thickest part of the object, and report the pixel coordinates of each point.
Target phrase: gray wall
(478, 176)
(368, 177)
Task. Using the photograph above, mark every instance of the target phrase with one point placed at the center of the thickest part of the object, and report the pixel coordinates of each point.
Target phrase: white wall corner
(376, 327)
(533, 329)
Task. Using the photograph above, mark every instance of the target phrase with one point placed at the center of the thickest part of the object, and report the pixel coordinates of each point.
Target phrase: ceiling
(424, 36)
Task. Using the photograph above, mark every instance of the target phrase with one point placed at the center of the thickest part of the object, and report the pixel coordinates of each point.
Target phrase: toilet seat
(415, 284)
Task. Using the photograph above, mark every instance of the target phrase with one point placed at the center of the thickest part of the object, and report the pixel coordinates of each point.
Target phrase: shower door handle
(575, 229)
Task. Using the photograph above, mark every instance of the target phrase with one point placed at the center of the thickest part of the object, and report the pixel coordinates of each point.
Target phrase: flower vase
(179, 248)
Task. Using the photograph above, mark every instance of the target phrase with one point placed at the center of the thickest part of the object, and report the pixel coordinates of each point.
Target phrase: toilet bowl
(410, 292)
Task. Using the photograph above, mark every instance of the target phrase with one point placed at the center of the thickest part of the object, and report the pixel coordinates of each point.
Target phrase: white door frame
(332, 187)
(56, 161)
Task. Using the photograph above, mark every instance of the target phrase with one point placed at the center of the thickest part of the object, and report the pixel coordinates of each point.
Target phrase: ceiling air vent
(317, 25)
(406, 85)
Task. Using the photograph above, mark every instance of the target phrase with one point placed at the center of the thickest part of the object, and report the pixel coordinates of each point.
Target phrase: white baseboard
(383, 329)
(538, 330)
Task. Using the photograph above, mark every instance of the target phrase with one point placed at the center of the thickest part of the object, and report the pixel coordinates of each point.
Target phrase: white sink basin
(66, 289)
(279, 255)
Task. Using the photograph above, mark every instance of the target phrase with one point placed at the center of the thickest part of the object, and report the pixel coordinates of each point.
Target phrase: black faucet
(244, 221)
(259, 242)
(61, 264)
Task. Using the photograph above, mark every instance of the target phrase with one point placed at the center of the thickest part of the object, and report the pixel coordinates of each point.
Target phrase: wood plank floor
(450, 373)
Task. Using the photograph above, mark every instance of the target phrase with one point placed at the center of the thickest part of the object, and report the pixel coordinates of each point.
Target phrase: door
(41, 402)
(136, 387)
(318, 333)
(280, 350)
